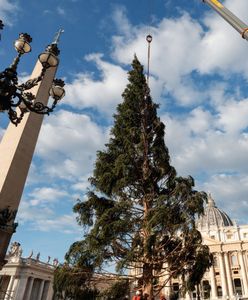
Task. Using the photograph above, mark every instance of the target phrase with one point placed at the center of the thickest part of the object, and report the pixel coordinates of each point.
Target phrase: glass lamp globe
(57, 92)
(22, 46)
(48, 59)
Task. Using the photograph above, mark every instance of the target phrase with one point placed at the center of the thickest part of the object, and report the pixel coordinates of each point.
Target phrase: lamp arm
(15, 62)
(37, 107)
(14, 118)
(31, 82)
(18, 102)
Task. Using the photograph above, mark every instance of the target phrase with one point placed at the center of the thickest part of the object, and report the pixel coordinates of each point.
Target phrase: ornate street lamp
(14, 95)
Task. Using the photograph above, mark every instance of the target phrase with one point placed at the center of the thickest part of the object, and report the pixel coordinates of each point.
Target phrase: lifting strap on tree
(233, 20)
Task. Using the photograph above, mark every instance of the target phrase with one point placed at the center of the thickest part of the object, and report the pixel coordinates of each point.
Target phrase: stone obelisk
(16, 152)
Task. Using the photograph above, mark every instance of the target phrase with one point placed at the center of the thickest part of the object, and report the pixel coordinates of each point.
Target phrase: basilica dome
(213, 216)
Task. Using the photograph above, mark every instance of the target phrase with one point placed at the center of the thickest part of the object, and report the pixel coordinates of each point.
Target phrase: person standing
(137, 296)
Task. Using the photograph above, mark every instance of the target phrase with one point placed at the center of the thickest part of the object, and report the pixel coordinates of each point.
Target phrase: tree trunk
(148, 266)
(148, 278)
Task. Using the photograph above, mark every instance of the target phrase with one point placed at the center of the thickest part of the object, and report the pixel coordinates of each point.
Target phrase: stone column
(41, 288)
(238, 232)
(16, 151)
(14, 289)
(29, 289)
(223, 275)
(9, 288)
(50, 291)
(245, 257)
(228, 274)
(21, 287)
(213, 283)
(243, 272)
(219, 237)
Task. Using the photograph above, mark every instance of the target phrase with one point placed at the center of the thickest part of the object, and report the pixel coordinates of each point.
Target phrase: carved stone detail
(15, 250)
(7, 217)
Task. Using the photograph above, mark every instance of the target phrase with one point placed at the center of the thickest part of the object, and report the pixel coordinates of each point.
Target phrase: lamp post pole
(16, 152)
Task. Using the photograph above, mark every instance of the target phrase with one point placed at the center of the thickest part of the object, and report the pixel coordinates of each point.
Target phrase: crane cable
(149, 40)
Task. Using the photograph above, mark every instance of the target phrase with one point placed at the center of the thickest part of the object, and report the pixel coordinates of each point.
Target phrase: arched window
(219, 291)
(234, 260)
(237, 286)
(215, 263)
(206, 289)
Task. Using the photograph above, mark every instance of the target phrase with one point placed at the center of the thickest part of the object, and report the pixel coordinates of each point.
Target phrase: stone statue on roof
(15, 251)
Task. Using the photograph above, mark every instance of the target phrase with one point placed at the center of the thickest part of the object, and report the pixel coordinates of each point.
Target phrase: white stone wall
(30, 279)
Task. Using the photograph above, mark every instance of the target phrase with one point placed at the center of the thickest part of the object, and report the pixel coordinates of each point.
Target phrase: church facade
(228, 242)
(26, 278)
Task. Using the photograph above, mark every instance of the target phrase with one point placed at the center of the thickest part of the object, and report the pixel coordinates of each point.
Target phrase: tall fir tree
(139, 213)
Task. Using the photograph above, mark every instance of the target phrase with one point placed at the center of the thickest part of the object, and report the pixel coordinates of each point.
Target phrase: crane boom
(226, 14)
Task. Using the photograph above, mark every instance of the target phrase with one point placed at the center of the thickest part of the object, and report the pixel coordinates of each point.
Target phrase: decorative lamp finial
(57, 36)
(53, 47)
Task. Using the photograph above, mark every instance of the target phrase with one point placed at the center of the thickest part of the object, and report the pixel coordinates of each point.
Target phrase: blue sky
(199, 73)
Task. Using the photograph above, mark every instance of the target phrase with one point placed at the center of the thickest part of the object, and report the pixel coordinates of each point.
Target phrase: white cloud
(233, 115)
(172, 62)
(82, 184)
(217, 93)
(35, 175)
(104, 94)
(199, 121)
(46, 195)
(42, 218)
(64, 223)
(7, 10)
(174, 49)
(68, 143)
(28, 213)
(121, 20)
(231, 192)
(61, 11)
(208, 142)
(182, 46)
